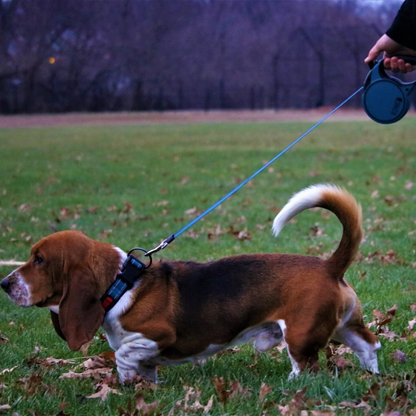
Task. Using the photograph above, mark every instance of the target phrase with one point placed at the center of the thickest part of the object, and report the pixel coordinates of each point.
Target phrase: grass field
(135, 185)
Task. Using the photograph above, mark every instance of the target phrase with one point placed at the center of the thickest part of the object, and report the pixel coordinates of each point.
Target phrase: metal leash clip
(161, 246)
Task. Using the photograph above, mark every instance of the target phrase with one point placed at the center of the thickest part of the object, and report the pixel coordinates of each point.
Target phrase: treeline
(113, 55)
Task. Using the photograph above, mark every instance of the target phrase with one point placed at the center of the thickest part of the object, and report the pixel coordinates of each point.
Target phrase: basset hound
(180, 311)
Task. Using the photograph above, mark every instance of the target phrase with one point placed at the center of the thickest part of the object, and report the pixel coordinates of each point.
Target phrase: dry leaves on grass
(399, 357)
(264, 391)
(392, 391)
(191, 404)
(298, 404)
(380, 323)
(4, 407)
(140, 408)
(103, 392)
(94, 367)
(226, 391)
(7, 370)
(335, 357)
(34, 385)
(390, 257)
(48, 363)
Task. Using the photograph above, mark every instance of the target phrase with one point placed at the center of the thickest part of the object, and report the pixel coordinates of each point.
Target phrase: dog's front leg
(132, 355)
(364, 344)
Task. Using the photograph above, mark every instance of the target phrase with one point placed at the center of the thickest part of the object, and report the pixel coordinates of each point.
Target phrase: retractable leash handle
(386, 99)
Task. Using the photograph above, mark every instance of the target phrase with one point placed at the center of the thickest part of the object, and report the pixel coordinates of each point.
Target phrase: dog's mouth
(46, 303)
(41, 304)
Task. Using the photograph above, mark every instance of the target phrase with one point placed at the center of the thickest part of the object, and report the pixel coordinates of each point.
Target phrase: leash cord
(172, 237)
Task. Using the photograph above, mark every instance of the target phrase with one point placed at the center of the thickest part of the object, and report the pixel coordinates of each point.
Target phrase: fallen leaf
(127, 207)
(219, 385)
(190, 404)
(7, 370)
(92, 210)
(162, 203)
(264, 391)
(88, 373)
(192, 234)
(342, 362)
(191, 211)
(103, 393)
(4, 407)
(382, 319)
(399, 357)
(361, 405)
(392, 310)
(104, 360)
(33, 384)
(411, 324)
(49, 362)
(244, 235)
(316, 231)
(144, 408)
(372, 393)
(408, 186)
(214, 233)
(235, 390)
(84, 348)
(298, 402)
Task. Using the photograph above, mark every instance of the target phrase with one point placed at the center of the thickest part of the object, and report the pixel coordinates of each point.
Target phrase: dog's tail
(343, 205)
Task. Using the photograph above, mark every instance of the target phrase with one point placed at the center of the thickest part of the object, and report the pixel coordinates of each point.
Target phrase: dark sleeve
(403, 29)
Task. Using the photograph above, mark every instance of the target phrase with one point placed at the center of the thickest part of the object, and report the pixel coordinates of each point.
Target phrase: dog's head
(68, 273)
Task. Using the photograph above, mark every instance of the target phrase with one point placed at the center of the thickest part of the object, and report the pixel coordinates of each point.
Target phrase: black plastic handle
(409, 59)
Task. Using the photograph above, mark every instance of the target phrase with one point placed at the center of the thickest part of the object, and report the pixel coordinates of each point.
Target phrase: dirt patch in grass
(167, 117)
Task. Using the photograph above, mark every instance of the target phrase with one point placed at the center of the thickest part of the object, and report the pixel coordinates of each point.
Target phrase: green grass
(132, 186)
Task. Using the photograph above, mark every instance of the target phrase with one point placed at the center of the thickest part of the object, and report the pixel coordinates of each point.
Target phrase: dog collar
(131, 271)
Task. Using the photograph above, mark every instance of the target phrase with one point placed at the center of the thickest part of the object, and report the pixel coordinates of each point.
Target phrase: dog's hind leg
(270, 336)
(303, 352)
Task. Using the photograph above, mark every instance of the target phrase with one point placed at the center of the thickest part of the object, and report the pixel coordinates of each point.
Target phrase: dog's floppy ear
(55, 321)
(80, 310)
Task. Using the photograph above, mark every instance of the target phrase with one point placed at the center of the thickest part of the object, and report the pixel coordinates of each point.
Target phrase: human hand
(391, 49)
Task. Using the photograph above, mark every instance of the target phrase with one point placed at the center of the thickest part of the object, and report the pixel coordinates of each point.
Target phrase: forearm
(403, 29)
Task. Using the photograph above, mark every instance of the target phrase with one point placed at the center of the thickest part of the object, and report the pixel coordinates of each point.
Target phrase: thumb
(374, 52)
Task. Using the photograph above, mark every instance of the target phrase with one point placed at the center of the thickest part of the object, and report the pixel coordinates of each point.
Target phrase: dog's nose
(5, 284)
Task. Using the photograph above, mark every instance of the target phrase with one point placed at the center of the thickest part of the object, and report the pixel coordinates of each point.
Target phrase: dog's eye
(38, 259)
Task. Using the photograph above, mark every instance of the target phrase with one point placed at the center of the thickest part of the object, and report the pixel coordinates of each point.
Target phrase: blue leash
(172, 237)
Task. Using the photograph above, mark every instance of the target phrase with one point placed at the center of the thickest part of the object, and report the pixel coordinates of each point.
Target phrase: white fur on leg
(365, 352)
(132, 355)
(295, 367)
